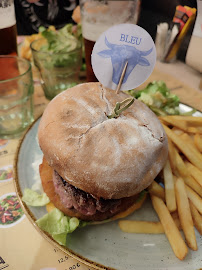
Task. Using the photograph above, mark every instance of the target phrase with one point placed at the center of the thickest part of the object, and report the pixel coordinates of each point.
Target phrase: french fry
(175, 174)
(50, 206)
(149, 227)
(157, 190)
(195, 130)
(193, 184)
(187, 138)
(169, 187)
(183, 187)
(192, 125)
(194, 198)
(177, 223)
(197, 218)
(171, 154)
(180, 164)
(198, 142)
(184, 173)
(175, 217)
(181, 124)
(177, 243)
(185, 214)
(186, 148)
(195, 172)
(190, 120)
(133, 226)
(177, 131)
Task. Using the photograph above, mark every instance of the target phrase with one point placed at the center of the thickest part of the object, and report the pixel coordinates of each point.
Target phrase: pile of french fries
(177, 200)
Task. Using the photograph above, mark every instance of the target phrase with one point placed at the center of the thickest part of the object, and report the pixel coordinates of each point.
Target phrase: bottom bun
(127, 206)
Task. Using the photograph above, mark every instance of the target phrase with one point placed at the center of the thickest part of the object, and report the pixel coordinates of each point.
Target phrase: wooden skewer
(121, 79)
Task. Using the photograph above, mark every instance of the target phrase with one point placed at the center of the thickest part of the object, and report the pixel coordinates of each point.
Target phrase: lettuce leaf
(33, 198)
(58, 225)
(60, 41)
(158, 98)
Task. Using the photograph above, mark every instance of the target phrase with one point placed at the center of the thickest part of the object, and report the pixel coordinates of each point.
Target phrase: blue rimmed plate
(103, 246)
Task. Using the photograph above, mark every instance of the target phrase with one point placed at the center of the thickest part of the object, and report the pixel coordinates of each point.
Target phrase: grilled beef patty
(81, 201)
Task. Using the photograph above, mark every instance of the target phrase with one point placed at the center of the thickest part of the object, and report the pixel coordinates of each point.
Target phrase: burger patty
(83, 202)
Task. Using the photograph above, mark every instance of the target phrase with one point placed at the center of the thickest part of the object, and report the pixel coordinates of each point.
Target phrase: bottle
(8, 30)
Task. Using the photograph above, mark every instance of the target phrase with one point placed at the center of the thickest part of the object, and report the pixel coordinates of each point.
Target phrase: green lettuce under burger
(59, 225)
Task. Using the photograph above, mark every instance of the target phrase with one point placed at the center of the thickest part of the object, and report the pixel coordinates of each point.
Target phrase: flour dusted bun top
(108, 158)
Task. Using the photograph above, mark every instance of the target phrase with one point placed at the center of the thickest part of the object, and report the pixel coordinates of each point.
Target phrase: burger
(95, 166)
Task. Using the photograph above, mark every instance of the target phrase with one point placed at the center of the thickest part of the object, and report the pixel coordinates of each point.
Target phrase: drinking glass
(58, 71)
(16, 96)
(98, 16)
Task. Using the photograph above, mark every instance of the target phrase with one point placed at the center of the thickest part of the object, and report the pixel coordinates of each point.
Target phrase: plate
(103, 246)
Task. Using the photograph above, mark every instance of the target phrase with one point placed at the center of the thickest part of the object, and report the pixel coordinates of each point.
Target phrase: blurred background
(31, 14)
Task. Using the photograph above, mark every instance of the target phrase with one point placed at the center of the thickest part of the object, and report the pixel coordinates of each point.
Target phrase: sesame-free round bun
(108, 158)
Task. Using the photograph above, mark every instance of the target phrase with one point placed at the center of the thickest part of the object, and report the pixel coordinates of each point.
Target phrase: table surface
(22, 247)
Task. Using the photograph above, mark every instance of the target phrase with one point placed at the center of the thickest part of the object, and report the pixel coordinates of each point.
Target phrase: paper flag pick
(120, 44)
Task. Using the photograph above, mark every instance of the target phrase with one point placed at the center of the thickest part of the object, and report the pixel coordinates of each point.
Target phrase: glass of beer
(8, 30)
(98, 16)
(16, 96)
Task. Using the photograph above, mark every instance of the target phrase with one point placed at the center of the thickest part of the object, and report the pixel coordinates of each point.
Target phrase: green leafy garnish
(158, 98)
(64, 45)
(33, 198)
(60, 41)
(58, 225)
